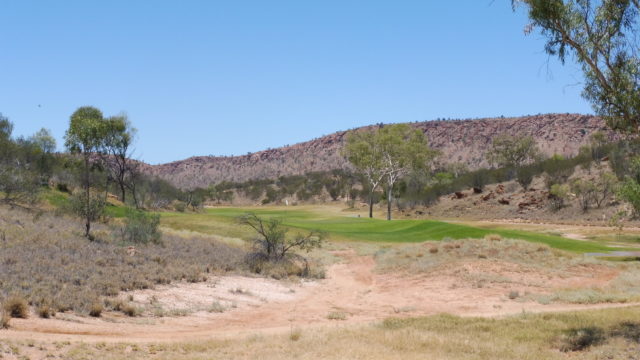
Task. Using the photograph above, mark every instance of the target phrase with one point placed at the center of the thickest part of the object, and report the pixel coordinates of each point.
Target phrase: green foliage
(87, 206)
(557, 170)
(525, 175)
(605, 186)
(602, 37)
(585, 191)
(559, 193)
(630, 192)
(141, 227)
(86, 132)
(180, 206)
(387, 154)
(513, 151)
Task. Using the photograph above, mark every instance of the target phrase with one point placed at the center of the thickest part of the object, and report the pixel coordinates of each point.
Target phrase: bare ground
(353, 292)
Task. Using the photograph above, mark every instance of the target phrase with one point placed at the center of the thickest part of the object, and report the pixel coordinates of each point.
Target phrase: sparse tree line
(98, 162)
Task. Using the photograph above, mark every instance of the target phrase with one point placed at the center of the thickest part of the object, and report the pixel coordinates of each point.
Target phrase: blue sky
(231, 77)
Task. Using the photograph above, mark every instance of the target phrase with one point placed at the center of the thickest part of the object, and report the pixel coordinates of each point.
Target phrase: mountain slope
(463, 141)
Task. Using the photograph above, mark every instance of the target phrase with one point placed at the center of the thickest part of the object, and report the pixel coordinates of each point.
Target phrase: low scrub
(141, 227)
(47, 260)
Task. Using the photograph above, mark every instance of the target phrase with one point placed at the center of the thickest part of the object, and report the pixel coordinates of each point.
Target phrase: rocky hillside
(463, 141)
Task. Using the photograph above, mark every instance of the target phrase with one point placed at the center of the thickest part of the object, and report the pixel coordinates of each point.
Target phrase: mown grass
(524, 336)
(221, 221)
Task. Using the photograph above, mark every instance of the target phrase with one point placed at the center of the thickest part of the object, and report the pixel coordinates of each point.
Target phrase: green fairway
(221, 221)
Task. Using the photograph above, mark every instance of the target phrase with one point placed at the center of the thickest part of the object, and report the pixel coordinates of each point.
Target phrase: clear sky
(231, 77)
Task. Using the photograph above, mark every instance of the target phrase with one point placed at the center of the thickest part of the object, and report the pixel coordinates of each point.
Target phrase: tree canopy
(602, 37)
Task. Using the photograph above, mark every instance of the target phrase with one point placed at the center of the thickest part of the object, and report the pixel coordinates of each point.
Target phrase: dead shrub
(433, 250)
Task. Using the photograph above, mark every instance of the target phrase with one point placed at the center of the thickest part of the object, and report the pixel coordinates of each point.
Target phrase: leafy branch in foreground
(602, 37)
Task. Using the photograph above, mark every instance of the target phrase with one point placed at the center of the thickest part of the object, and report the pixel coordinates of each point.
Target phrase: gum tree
(85, 137)
(386, 155)
(363, 150)
(403, 150)
(601, 37)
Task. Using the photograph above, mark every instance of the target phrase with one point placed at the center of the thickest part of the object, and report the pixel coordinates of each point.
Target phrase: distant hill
(463, 141)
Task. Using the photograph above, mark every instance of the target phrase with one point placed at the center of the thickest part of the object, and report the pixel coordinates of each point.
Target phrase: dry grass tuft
(337, 315)
(96, 309)
(5, 319)
(17, 307)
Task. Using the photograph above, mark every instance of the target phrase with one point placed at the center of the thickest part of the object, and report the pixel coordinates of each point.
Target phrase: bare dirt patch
(353, 289)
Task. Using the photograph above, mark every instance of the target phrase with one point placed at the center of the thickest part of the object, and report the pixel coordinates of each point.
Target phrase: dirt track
(352, 289)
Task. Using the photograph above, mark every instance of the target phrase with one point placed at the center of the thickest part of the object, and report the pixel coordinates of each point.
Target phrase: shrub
(96, 309)
(62, 187)
(580, 339)
(337, 315)
(45, 311)
(130, 310)
(66, 272)
(630, 192)
(605, 187)
(295, 334)
(558, 195)
(216, 307)
(17, 307)
(89, 207)
(179, 206)
(141, 227)
(557, 169)
(628, 330)
(273, 243)
(514, 294)
(480, 178)
(585, 191)
(524, 176)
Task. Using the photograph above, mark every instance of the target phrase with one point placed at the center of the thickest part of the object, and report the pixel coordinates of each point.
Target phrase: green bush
(558, 195)
(525, 175)
(630, 192)
(179, 206)
(141, 227)
(586, 192)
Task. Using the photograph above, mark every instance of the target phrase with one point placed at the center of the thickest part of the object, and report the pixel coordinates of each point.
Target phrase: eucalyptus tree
(117, 152)
(85, 136)
(513, 151)
(404, 150)
(363, 150)
(602, 37)
(387, 154)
